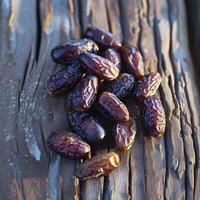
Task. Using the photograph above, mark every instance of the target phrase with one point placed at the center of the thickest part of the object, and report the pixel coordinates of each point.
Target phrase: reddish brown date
(114, 57)
(103, 38)
(68, 145)
(147, 86)
(112, 107)
(133, 60)
(121, 86)
(153, 115)
(84, 94)
(124, 134)
(99, 165)
(64, 80)
(99, 66)
(87, 127)
(69, 51)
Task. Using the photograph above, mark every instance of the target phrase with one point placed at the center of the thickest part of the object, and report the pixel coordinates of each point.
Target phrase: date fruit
(147, 86)
(99, 165)
(65, 79)
(69, 51)
(112, 107)
(87, 127)
(153, 115)
(99, 66)
(114, 57)
(84, 94)
(68, 145)
(133, 60)
(103, 38)
(121, 86)
(124, 134)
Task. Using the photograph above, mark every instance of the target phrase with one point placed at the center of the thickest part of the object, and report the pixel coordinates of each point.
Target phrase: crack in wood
(39, 31)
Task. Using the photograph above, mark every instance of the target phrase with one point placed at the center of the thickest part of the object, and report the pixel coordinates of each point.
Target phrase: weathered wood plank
(90, 17)
(14, 26)
(131, 29)
(59, 22)
(192, 94)
(192, 7)
(180, 167)
(141, 33)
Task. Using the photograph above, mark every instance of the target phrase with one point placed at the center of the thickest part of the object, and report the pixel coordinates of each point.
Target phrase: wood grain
(155, 169)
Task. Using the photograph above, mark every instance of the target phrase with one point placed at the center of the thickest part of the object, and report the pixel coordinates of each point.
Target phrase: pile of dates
(99, 73)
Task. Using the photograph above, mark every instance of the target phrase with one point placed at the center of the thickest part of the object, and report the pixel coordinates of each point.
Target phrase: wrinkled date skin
(87, 127)
(69, 51)
(133, 60)
(84, 94)
(98, 165)
(124, 134)
(68, 145)
(103, 38)
(153, 115)
(99, 66)
(64, 80)
(114, 57)
(147, 86)
(112, 107)
(121, 86)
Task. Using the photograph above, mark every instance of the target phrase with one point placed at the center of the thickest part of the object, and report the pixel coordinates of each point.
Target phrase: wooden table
(154, 169)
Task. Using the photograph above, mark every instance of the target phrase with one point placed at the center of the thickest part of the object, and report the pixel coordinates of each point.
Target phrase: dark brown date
(84, 94)
(99, 165)
(87, 127)
(112, 107)
(99, 66)
(64, 80)
(69, 51)
(124, 134)
(133, 60)
(153, 117)
(103, 38)
(121, 86)
(114, 57)
(147, 86)
(68, 145)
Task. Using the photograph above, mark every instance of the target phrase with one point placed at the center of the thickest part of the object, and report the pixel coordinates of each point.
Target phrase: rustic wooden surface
(155, 169)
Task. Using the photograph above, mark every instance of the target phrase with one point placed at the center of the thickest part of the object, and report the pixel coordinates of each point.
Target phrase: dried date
(103, 38)
(99, 165)
(69, 51)
(99, 66)
(64, 80)
(84, 94)
(87, 127)
(112, 107)
(114, 57)
(147, 86)
(153, 117)
(133, 60)
(68, 145)
(121, 86)
(124, 134)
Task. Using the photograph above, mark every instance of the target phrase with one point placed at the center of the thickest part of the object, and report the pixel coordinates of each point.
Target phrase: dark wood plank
(180, 164)
(14, 34)
(193, 17)
(151, 170)
(59, 22)
(192, 94)
(90, 17)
